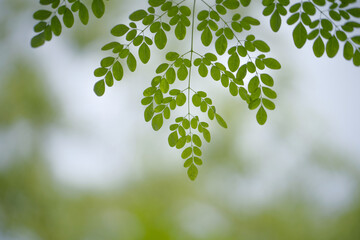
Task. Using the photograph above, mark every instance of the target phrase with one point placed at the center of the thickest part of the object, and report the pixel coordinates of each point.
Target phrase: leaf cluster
(328, 23)
(246, 71)
(59, 14)
(217, 26)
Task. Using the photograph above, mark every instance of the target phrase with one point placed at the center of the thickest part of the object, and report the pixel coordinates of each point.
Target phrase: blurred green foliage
(24, 96)
(153, 209)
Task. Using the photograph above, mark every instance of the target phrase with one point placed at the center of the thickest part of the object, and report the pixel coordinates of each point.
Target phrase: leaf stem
(191, 62)
(191, 53)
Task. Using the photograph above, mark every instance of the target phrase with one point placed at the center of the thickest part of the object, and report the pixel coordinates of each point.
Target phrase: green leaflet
(83, 14)
(131, 62)
(318, 47)
(172, 56)
(354, 12)
(182, 73)
(268, 104)
(160, 39)
(272, 63)
(186, 153)
(261, 116)
(221, 45)
(118, 71)
(119, 30)
(309, 8)
(181, 99)
(215, 73)
(170, 75)
(99, 88)
(275, 21)
(196, 140)
(197, 151)
(348, 51)
(233, 89)
(267, 79)
(106, 62)
(68, 18)
(220, 120)
(196, 99)
(99, 72)
(192, 172)
(206, 135)
(332, 47)
(144, 53)
(293, 18)
(138, 15)
(42, 15)
(181, 142)
(156, 3)
(356, 40)
(231, 4)
(162, 67)
(198, 161)
(173, 138)
(109, 80)
(180, 31)
(56, 26)
(40, 26)
(254, 104)
(356, 58)
(149, 112)
(269, 93)
(164, 85)
(234, 62)
(253, 84)
(98, 8)
(299, 35)
(319, 2)
(157, 122)
(261, 46)
(38, 40)
(245, 3)
(203, 71)
(206, 37)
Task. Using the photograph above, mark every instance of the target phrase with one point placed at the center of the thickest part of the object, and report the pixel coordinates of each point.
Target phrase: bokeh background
(75, 166)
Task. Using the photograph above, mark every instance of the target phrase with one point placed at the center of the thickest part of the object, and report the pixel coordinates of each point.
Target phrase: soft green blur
(35, 205)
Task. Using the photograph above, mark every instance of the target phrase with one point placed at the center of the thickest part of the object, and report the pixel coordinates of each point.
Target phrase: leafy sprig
(245, 72)
(161, 99)
(328, 22)
(50, 20)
